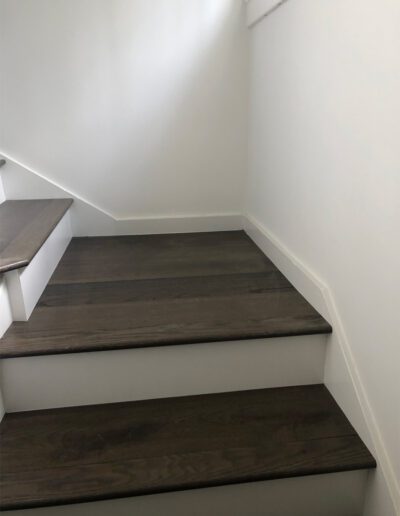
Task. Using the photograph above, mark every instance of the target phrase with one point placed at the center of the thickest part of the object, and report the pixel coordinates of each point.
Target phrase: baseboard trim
(21, 181)
(181, 224)
(306, 282)
(257, 10)
(320, 295)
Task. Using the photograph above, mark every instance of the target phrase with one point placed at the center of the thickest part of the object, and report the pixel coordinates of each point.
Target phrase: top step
(25, 226)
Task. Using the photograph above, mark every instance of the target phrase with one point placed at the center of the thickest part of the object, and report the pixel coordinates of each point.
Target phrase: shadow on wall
(141, 110)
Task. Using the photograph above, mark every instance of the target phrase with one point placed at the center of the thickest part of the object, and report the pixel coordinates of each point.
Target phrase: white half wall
(136, 106)
(26, 285)
(2, 194)
(324, 176)
(5, 307)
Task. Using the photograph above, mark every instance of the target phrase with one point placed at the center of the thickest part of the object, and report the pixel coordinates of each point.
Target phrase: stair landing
(139, 291)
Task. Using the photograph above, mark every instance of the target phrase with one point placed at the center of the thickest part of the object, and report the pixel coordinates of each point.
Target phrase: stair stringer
(341, 375)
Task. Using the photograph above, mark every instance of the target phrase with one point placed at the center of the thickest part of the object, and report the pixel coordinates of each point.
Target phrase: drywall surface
(22, 182)
(138, 107)
(2, 194)
(324, 171)
(256, 9)
(5, 307)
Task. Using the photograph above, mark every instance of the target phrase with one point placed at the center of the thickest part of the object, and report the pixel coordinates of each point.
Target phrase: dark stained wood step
(167, 289)
(80, 454)
(25, 226)
(100, 259)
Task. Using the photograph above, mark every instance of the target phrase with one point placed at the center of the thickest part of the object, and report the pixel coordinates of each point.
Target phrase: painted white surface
(25, 286)
(2, 407)
(341, 374)
(257, 9)
(139, 108)
(22, 182)
(303, 279)
(338, 494)
(5, 321)
(136, 374)
(378, 501)
(324, 161)
(15, 296)
(2, 194)
(5, 307)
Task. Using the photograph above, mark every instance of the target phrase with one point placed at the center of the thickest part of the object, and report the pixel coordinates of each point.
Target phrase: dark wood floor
(25, 226)
(127, 292)
(80, 454)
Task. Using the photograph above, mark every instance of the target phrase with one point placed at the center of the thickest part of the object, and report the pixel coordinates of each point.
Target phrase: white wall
(257, 9)
(138, 107)
(2, 194)
(324, 170)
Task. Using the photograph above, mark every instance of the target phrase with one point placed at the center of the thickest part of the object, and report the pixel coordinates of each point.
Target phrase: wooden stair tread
(129, 292)
(25, 226)
(172, 444)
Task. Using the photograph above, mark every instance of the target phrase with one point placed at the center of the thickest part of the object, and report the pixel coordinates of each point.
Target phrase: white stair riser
(335, 494)
(25, 286)
(33, 383)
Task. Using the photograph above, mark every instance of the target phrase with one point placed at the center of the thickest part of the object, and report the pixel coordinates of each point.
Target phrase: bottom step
(82, 454)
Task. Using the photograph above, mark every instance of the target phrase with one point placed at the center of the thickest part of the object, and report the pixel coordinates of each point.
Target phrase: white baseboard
(334, 494)
(297, 273)
(160, 372)
(25, 286)
(341, 373)
(22, 182)
(184, 224)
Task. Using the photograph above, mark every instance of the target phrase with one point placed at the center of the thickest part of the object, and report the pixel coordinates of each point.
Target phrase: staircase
(158, 365)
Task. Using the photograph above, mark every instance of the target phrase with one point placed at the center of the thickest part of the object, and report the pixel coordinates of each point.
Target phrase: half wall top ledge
(258, 9)
(25, 226)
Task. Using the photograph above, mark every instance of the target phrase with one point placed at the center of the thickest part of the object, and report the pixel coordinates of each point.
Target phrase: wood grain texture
(100, 452)
(161, 290)
(102, 259)
(25, 226)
